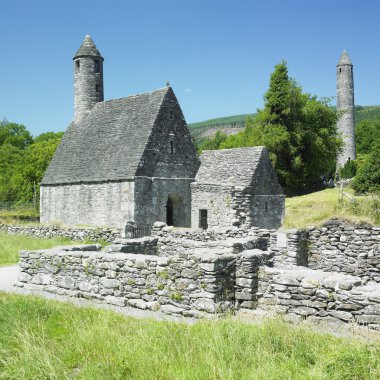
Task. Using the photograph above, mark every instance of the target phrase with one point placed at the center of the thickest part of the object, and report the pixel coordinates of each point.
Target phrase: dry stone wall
(189, 285)
(346, 248)
(73, 233)
(192, 272)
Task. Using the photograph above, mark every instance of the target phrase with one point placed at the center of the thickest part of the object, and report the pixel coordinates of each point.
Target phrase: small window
(203, 219)
(171, 115)
(97, 88)
(171, 147)
(340, 69)
(77, 66)
(266, 206)
(97, 66)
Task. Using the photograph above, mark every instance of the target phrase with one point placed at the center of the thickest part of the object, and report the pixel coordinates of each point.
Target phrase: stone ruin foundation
(325, 274)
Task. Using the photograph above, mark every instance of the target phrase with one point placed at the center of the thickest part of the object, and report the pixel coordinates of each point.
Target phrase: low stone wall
(74, 233)
(174, 241)
(345, 247)
(189, 285)
(319, 296)
(326, 274)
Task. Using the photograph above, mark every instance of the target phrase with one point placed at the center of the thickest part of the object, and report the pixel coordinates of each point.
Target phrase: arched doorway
(175, 210)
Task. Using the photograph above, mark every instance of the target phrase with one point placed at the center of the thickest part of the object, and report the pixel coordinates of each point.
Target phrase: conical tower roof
(344, 59)
(88, 48)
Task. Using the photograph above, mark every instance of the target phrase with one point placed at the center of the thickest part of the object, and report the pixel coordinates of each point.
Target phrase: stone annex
(133, 160)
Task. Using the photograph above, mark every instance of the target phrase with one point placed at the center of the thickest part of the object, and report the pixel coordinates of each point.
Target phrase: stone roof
(88, 48)
(109, 143)
(229, 166)
(344, 59)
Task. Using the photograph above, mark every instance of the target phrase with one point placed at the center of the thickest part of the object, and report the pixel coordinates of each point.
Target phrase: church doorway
(175, 210)
(169, 212)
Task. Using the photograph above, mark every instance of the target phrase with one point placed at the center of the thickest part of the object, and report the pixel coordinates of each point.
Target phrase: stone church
(132, 159)
(119, 160)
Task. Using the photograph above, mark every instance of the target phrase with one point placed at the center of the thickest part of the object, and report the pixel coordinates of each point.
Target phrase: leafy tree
(367, 134)
(367, 179)
(215, 142)
(349, 169)
(15, 134)
(31, 169)
(48, 136)
(298, 129)
(10, 159)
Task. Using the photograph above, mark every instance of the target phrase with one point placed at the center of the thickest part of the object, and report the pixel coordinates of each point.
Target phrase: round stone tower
(346, 108)
(88, 79)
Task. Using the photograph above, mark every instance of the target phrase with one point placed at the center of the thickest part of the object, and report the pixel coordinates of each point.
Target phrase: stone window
(77, 66)
(171, 115)
(340, 69)
(266, 206)
(97, 66)
(171, 137)
(203, 219)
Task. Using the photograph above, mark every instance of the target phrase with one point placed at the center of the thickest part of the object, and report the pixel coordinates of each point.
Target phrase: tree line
(23, 161)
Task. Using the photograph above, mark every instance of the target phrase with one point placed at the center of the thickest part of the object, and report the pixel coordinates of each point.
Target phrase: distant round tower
(346, 110)
(88, 79)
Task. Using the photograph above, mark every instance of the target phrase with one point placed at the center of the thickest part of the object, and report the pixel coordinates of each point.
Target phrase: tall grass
(11, 244)
(48, 340)
(315, 208)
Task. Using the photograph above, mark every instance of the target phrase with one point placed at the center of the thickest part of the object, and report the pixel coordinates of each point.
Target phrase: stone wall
(221, 203)
(188, 284)
(94, 204)
(345, 247)
(72, 233)
(302, 293)
(151, 196)
(192, 272)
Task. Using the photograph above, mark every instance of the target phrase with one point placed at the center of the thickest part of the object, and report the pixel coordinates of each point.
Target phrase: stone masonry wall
(189, 285)
(94, 204)
(318, 296)
(345, 247)
(72, 233)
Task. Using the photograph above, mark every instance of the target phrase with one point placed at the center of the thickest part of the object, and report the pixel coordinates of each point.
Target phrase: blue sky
(217, 54)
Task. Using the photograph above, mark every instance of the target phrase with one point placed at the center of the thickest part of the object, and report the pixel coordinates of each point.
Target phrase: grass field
(48, 340)
(315, 208)
(11, 244)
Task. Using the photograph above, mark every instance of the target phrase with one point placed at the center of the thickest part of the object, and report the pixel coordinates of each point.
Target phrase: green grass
(11, 244)
(48, 340)
(315, 208)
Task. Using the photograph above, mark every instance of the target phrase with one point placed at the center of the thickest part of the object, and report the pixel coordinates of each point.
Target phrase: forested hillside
(236, 123)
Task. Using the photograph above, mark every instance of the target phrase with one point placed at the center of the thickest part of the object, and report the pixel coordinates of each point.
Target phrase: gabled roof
(109, 143)
(229, 166)
(241, 167)
(344, 59)
(88, 48)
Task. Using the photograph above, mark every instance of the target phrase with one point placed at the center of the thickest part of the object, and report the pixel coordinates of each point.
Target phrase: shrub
(348, 170)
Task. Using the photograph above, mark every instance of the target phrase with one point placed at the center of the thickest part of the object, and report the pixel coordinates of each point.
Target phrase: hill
(236, 123)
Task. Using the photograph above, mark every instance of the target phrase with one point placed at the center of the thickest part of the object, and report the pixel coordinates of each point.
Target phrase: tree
(367, 134)
(15, 134)
(299, 131)
(367, 179)
(32, 167)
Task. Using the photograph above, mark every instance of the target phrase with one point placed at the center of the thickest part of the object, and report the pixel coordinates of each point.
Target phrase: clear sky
(217, 54)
